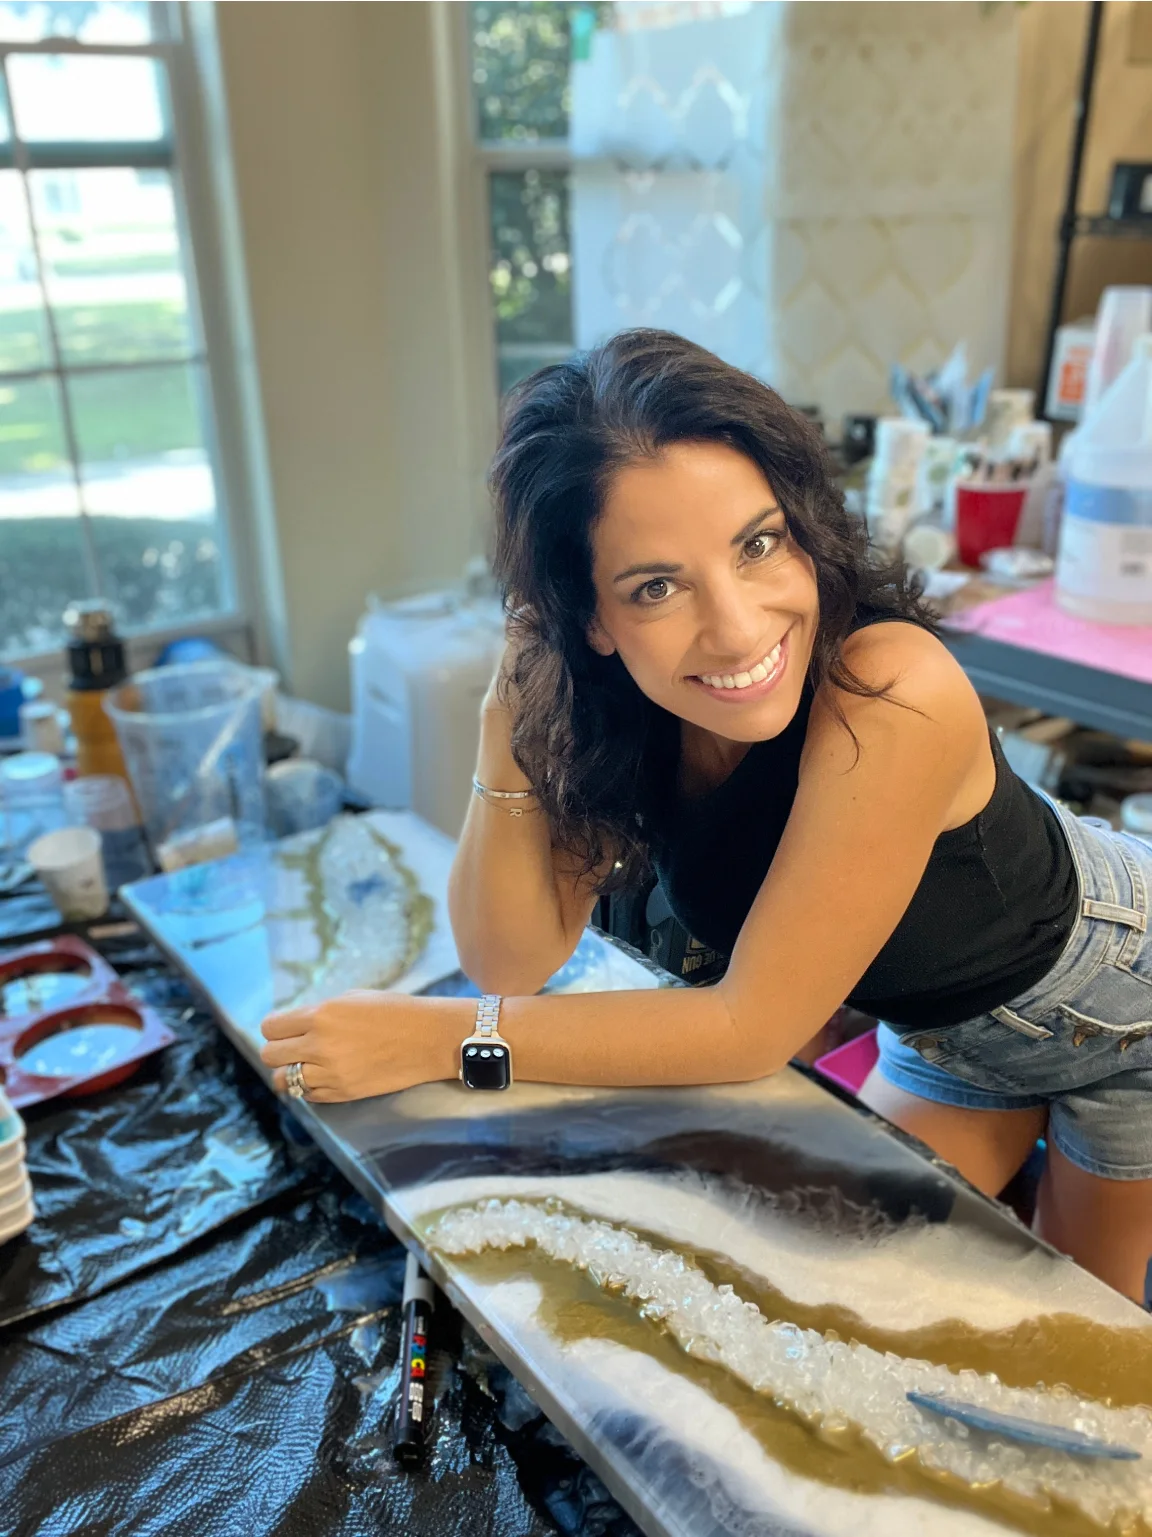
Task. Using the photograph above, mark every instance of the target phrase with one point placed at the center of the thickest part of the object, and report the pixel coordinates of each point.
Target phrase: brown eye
(761, 545)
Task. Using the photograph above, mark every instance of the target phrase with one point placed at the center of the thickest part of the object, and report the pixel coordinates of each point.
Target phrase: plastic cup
(69, 865)
(987, 518)
(104, 801)
(191, 739)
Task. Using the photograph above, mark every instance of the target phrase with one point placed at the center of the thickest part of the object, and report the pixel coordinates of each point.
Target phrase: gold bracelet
(495, 797)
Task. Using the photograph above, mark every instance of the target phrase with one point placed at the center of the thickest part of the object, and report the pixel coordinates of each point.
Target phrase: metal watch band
(488, 1015)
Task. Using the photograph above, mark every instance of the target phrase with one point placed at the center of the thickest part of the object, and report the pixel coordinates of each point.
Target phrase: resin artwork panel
(721, 1295)
(361, 903)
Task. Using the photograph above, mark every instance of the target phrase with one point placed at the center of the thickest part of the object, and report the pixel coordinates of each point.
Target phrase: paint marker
(414, 1403)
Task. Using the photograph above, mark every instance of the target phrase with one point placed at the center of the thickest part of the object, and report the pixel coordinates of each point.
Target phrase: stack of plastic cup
(894, 480)
(103, 801)
(16, 1208)
(937, 470)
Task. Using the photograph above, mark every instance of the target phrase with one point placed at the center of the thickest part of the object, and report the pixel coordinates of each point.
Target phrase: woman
(706, 672)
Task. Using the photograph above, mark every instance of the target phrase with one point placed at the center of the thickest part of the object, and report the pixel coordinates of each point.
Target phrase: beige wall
(1051, 45)
(341, 149)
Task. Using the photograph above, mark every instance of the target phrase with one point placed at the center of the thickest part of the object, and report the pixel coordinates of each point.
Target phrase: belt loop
(1112, 912)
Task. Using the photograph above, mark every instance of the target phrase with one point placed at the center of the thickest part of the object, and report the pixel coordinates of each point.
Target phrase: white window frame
(252, 624)
(483, 157)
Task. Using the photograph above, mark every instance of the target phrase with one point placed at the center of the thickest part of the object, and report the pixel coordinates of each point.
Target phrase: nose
(732, 621)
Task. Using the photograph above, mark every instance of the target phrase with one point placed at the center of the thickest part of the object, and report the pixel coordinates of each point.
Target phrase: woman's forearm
(650, 1037)
(506, 913)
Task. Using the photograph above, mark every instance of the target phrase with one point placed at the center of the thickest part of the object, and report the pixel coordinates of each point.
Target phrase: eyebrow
(669, 568)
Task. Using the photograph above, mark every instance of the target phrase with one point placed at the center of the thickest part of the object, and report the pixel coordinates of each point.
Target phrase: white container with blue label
(1104, 564)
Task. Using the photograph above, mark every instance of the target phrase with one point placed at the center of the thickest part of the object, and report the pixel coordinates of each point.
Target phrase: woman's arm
(855, 848)
(517, 913)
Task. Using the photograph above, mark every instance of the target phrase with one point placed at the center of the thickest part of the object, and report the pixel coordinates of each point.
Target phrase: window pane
(531, 256)
(41, 546)
(23, 329)
(61, 98)
(520, 58)
(5, 117)
(531, 290)
(112, 253)
(149, 490)
(91, 21)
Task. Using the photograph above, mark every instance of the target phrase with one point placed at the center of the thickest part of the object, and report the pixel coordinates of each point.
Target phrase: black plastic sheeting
(199, 1333)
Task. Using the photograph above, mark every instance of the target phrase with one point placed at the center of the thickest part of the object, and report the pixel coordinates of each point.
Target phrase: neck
(706, 760)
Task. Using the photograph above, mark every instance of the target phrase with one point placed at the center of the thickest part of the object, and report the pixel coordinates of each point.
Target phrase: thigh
(1103, 1224)
(986, 1146)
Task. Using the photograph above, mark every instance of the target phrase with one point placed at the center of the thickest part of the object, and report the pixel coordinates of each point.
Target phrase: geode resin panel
(723, 1296)
(729, 1293)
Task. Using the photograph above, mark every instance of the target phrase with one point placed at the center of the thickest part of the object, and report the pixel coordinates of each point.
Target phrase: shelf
(1107, 228)
(1103, 701)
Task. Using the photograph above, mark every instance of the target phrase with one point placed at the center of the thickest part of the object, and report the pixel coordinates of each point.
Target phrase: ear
(599, 639)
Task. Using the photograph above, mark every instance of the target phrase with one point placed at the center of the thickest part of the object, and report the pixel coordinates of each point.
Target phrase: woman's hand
(366, 1043)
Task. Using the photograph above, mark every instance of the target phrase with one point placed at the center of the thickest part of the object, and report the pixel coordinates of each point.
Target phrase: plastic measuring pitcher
(191, 738)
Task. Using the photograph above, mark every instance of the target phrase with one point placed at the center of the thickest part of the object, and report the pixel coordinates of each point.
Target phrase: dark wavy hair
(596, 749)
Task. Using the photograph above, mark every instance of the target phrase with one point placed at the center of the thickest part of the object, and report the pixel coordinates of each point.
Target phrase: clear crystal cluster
(357, 899)
(827, 1382)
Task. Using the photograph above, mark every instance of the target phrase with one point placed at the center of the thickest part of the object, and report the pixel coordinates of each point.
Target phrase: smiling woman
(708, 673)
(664, 520)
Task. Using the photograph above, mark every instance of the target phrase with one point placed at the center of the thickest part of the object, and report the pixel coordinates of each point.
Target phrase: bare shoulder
(915, 669)
(923, 735)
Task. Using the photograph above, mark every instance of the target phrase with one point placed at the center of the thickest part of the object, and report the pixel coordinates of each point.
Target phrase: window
(107, 479)
(521, 92)
(623, 151)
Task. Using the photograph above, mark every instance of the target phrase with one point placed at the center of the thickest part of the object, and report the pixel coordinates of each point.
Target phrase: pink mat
(1032, 620)
(850, 1064)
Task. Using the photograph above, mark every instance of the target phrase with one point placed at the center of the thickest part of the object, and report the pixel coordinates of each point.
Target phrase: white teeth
(755, 674)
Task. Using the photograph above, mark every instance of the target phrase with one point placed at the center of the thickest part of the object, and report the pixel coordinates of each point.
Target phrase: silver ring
(294, 1080)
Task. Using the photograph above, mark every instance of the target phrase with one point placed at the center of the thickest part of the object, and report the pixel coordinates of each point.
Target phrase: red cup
(986, 518)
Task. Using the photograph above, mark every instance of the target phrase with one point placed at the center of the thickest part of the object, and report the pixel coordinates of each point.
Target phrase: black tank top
(989, 919)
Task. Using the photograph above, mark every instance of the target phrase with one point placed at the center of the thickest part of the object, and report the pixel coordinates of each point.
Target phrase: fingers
(291, 1022)
(281, 1053)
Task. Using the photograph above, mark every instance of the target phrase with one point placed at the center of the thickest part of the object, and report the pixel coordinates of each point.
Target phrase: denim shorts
(1080, 1041)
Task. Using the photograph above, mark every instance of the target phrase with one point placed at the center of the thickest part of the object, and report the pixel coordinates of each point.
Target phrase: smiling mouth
(752, 682)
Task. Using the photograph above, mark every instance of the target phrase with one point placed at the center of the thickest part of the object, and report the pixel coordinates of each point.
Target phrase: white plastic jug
(420, 669)
(1104, 563)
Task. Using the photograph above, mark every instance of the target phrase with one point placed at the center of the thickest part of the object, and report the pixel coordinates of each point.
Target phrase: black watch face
(486, 1067)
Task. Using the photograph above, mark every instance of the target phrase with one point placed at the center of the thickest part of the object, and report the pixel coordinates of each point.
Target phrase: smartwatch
(485, 1056)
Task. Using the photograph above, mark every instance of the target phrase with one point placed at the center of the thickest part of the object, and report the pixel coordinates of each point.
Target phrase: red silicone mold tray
(68, 1025)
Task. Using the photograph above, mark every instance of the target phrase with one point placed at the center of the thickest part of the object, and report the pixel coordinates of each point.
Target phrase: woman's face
(711, 606)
